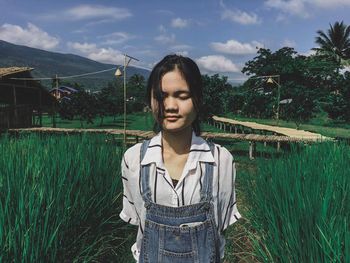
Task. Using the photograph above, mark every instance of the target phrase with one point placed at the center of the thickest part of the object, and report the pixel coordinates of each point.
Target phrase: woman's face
(179, 112)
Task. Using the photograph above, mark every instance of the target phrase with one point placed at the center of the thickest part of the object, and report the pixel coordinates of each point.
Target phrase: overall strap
(144, 174)
(207, 188)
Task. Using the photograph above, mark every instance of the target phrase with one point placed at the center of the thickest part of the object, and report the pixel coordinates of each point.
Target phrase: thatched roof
(13, 70)
(27, 88)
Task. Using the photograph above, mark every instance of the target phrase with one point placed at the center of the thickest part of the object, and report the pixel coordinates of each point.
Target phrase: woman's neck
(177, 142)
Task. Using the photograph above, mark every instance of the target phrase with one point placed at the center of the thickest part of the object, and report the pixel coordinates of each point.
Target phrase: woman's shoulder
(222, 153)
(132, 156)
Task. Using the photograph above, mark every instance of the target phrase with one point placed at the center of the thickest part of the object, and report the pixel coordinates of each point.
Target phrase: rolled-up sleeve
(128, 213)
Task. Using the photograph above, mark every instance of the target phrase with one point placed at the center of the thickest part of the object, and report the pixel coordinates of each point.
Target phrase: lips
(172, 118)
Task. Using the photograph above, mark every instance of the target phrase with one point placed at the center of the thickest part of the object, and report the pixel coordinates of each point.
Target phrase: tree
(296, 83)
(338, 102)
(334, 44)
(216, 92)
(136, 89)
(302, 105)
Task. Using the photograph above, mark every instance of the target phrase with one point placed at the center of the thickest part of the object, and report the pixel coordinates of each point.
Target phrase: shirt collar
(199, 152)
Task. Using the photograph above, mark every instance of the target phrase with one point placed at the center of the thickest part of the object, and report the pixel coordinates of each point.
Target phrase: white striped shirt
(187, 190)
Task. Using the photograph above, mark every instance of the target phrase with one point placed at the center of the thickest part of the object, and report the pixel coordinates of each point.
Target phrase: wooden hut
(22, 99)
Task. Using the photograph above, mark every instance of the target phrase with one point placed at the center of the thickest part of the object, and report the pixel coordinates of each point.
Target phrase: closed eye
(185, 97)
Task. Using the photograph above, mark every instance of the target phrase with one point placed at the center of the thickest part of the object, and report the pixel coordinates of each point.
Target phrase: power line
(68, 77)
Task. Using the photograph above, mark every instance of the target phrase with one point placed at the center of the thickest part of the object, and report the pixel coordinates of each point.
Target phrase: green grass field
(144, 121)
(62, 205)
(247, 240)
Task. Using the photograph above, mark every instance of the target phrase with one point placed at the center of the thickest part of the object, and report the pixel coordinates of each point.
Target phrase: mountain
(48, 64)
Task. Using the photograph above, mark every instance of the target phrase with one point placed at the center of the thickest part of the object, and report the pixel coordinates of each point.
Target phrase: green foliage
(136, 90)
(59, 198)
(216, 91)
(109, 101)
(84, 106)
(304, 81)
(338, 101)
(300, 205)
(335, 44)
(302, 106)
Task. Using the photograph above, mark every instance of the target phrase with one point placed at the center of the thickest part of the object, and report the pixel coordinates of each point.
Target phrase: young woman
(178, 188)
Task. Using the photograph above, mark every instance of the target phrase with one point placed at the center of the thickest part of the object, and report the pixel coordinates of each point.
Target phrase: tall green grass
(60, 198)
(300, 205)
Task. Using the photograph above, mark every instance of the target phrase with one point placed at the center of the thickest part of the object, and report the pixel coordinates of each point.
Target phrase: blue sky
(219, 35)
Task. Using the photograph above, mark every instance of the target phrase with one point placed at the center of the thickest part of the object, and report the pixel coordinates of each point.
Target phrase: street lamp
(270, 80)
(118, 73)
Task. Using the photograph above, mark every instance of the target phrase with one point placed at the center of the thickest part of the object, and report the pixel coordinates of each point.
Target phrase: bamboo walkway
(293, 134)
(134, 136)
(149, 134)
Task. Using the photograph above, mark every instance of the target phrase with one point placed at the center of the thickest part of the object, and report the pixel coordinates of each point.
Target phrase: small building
(22, 99)
(62, 91)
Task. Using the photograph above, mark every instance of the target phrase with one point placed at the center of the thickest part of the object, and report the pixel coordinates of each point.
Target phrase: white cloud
(162, 29)
(216, 63)
(329, 3)
(183, 53)
(165, 39)
(116, 38)
(179, 23)
(83, 12)
(303, 8)
(240, 17)
(291, 7)
(289, 43)
(31, 36)
(234, 47)
(104, 55)
(308, 53)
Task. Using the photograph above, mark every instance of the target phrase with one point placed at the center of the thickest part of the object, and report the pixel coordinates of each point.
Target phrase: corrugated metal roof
(13, 70)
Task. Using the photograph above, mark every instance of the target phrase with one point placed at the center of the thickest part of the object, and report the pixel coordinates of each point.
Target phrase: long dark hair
(190, 72)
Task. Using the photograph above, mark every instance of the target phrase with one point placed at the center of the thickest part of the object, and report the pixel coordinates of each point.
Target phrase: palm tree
(335, 44)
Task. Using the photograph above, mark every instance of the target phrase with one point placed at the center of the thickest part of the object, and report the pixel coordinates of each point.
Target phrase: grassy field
(144, 121)
(57, 208)
(135, 121)
(59, 199)
(299, 205)
(62, 205)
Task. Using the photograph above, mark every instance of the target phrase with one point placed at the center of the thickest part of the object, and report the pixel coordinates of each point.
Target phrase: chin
(175, 127)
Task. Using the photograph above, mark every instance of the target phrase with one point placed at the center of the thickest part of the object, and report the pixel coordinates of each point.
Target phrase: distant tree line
(109, 101)
(308, 84)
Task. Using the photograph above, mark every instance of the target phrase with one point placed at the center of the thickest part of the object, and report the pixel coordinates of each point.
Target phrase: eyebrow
(178, 92)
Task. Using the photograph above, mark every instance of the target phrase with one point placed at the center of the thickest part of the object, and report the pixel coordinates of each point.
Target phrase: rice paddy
(300, 205)
(60, 198)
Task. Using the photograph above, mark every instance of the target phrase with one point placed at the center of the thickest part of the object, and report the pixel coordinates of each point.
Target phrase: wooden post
(236, 129)
(251, 150)
(15, 119)
(40, 109)
(278, 146)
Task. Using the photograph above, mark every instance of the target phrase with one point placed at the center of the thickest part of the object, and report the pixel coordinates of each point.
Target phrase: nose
(170, 104)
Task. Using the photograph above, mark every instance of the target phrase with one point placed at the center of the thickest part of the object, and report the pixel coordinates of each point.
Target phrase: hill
(48, 64)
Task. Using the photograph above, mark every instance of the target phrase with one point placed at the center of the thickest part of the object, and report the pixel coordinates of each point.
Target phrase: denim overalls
(164, 240)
